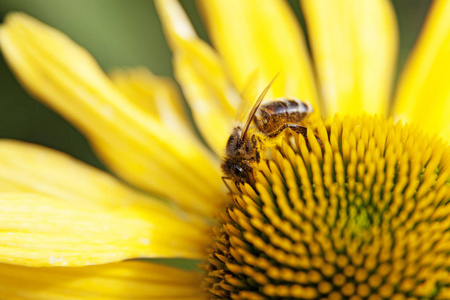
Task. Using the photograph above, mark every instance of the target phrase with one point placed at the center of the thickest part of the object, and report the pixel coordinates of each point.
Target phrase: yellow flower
(363, 215)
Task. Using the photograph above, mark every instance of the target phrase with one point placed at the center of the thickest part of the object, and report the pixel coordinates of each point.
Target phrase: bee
(271, 118)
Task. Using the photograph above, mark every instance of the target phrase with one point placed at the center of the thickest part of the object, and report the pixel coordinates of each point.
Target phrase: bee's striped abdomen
(274, 116)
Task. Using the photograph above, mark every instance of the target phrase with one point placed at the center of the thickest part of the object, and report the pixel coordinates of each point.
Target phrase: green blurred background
(119, 33)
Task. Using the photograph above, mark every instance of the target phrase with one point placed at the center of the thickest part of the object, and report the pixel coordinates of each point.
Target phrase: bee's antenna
(255, 108)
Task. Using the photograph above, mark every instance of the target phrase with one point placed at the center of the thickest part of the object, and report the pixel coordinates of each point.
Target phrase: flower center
(365, 214)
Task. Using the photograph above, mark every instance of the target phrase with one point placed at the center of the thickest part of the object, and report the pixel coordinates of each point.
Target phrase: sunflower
(356, 208)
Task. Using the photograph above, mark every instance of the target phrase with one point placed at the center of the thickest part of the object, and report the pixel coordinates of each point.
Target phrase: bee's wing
(254, 107)
(249, 96)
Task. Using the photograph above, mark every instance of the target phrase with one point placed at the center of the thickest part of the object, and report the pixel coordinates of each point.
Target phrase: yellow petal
(134, 145)
(39, 230)
(202, 76)
(262, 38)
(423, 92)
(58, 211)
(354, 45)
(157, 96)
(123, 280)
(214, 128)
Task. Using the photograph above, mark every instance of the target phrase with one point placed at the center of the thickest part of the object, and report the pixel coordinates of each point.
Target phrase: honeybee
(271, 118)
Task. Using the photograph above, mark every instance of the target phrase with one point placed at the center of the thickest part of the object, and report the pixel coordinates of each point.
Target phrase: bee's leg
(297, 128)
(237, 183)
(303, 131)
(229, 188)
(250, 177)
(255, 146)
(226, 184)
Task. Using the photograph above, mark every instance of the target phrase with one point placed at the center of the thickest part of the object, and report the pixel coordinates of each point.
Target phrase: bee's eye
(237, 171)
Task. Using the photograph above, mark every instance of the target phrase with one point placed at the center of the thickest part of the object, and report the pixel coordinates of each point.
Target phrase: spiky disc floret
(365, 215)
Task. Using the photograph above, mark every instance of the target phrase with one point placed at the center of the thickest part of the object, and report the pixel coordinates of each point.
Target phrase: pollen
(357, 209)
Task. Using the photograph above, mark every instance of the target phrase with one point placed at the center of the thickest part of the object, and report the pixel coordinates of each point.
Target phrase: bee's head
(238, 170)
(239, 154)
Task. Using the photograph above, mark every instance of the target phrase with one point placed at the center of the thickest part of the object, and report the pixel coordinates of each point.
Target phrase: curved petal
(423, 92)
(157, 96)
(62, 74)
(56, 211)
(202, 76)
(260, 39)
(354, 45)
(123, 280)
